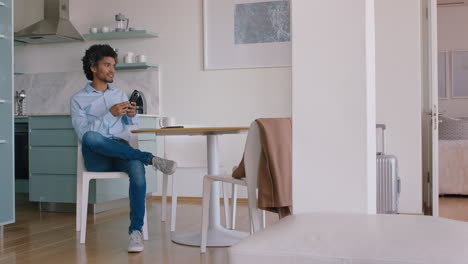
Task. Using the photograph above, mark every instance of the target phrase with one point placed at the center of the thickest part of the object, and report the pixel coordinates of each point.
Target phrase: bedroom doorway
(452, 43)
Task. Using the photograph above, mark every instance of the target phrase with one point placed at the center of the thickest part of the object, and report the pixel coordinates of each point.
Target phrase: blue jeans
(103, 154)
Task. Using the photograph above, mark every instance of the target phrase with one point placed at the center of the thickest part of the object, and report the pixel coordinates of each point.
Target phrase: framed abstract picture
(246, 34)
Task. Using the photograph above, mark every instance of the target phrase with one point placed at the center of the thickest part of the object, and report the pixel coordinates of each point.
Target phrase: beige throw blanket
(275, 168)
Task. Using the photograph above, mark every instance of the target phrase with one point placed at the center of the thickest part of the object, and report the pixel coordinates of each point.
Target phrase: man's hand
(131, 110)
(120, 109)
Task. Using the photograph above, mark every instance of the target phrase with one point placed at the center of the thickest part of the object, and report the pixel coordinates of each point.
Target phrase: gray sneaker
(135, 243)
(164, 165)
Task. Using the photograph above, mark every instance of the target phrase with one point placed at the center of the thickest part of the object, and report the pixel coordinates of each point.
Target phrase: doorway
(452, 43)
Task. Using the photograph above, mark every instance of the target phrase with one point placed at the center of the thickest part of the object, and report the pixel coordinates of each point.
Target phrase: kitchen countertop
(28, 115)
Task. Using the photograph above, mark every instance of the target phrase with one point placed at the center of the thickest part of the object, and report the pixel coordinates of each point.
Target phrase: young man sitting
(101, 116)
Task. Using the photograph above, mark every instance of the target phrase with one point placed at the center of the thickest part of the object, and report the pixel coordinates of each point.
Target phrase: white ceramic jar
(140, 58)
(128, 58)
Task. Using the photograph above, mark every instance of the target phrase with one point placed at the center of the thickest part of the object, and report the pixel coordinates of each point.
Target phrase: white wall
(453, 35)
(333, 106)
(329, 163)
(193, 96)
(398, 53)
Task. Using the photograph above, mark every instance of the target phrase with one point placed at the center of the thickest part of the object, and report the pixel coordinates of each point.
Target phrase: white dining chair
(165, 184)
(83, 177)
(173, 201)
(233, 206)
(252, 153)
(174, 196)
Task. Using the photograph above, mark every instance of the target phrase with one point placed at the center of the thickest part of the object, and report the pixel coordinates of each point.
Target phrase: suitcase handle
(382, 127)
(398, 186)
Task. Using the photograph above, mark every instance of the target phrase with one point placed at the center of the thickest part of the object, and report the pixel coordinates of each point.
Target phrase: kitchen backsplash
(49, 93)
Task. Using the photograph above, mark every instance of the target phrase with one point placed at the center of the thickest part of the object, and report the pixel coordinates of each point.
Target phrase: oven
(21, 151)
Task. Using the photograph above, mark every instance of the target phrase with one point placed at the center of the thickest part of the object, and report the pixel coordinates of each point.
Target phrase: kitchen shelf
(121, 35)
(19, 43)
(134, 66)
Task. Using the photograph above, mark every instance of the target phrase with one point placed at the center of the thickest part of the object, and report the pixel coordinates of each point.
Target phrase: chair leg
(233, 206)
(253, 213)
(224, 186)
(79, 188)
(205, 213)
(173, 204)
(145, 224)
(84, 208)
(164, 197)
(263, 219)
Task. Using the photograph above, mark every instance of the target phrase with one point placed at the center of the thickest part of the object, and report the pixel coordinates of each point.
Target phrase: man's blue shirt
(90, 112)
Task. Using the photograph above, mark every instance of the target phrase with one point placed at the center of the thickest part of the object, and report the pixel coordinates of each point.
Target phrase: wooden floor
(50, 238)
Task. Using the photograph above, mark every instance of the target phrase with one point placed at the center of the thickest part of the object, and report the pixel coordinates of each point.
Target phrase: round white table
(218, 236)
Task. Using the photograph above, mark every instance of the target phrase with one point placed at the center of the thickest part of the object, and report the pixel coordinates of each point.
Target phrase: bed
(453, 156)
(453, 167)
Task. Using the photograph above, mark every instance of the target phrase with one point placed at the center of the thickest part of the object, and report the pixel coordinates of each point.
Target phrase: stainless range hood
(55, 27)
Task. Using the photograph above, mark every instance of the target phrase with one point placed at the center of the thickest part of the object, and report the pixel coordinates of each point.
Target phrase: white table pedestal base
(217, 237)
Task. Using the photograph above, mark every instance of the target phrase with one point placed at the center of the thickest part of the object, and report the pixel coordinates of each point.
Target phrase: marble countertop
(28, 115)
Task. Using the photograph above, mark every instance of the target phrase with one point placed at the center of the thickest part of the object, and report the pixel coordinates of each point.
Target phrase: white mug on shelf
(93, 30)
(166, 121)
(104, 29)
(128, 58)
(140, 58)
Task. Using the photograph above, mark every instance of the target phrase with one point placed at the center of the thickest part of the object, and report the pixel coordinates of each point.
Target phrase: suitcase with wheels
(388, 181)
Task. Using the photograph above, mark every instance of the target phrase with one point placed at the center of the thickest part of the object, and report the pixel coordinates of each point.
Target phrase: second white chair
(251, 162)
(174, 196)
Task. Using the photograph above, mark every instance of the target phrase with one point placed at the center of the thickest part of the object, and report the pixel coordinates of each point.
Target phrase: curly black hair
(94, 54)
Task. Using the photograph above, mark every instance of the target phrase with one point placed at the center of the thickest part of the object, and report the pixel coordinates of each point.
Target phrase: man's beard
(106, 80)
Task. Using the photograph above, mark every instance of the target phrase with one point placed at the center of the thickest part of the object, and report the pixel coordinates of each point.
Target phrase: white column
(399, 82)
(333, 73)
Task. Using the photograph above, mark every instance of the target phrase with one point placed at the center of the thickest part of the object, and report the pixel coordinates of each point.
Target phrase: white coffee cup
(166, 121)
(104, 29)
(140, 58)
(128, 58)
(93, 30)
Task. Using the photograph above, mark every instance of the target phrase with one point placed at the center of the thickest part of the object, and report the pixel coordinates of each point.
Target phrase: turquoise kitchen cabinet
(7, 178)
(52, 163)
(52, 160)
